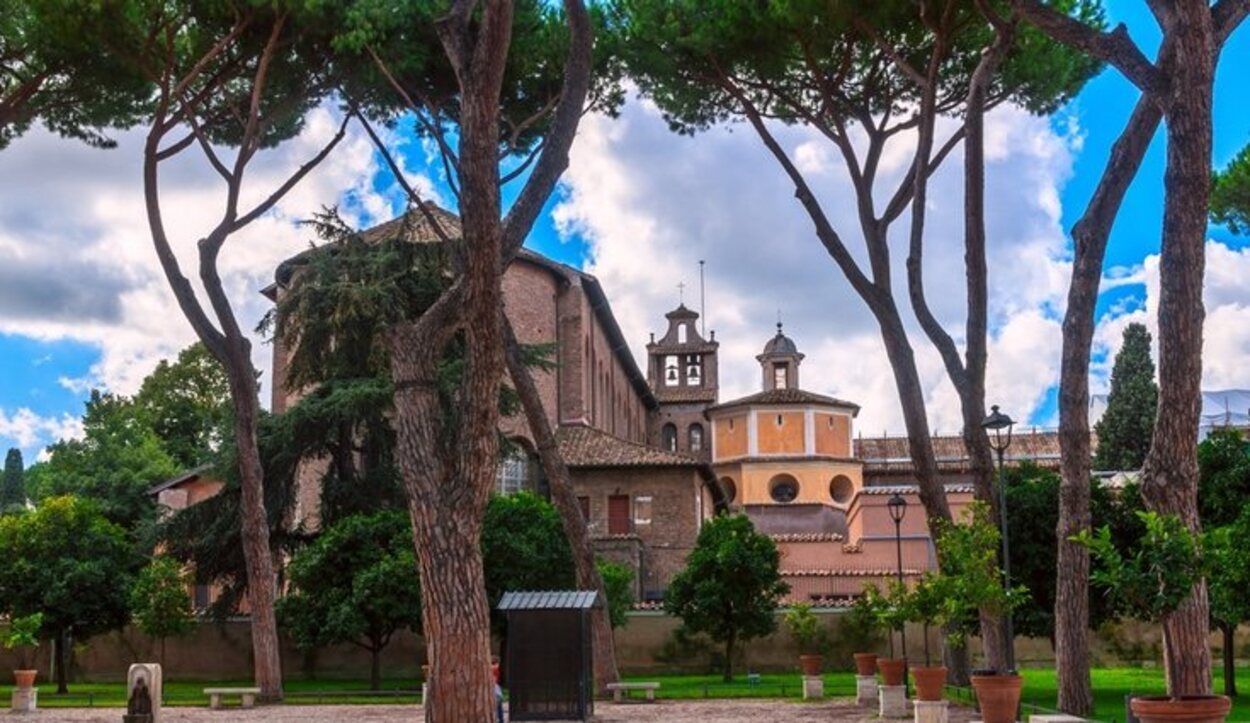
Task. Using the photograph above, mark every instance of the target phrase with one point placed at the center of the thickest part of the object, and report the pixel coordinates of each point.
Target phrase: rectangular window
(780, 376)
(642, 510)
(513, 474)
(619, 522)
(583, 503)
(202, 598)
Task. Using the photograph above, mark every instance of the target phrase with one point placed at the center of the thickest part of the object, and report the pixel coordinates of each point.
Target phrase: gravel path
(726, 711)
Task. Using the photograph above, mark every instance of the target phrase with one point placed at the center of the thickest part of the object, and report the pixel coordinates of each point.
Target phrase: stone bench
(621, 690)
(247, 696)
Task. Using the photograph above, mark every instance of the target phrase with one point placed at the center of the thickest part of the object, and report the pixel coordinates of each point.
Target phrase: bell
(672, 375)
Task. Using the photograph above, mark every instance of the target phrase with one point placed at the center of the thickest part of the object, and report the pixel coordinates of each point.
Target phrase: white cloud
(1226, 332)
(84, 264)
(651, 204)
(28, 429)
(77, 385)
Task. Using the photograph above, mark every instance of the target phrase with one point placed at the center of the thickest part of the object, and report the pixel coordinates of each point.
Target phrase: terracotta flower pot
(930, 682)
(25, 678)
(998, 696)
(1187, 708)
(811, 664)
(866, 663)
(892, 671)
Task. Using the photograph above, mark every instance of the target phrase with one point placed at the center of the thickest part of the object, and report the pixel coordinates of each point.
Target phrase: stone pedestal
(24, 700)
(893, 701)
(150, 674)
(866, 690)
(813, 687)
(930, 711)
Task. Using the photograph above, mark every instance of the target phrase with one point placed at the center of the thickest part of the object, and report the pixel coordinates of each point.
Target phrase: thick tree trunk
(1090, 236)
(1170, 474)
(958, 672)
(1229, 633)
(375, 668)
(565, 501)
(254, 524)
(60, 653)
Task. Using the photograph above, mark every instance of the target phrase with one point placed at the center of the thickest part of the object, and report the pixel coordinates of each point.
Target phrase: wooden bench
(620, 691)
(247, 696)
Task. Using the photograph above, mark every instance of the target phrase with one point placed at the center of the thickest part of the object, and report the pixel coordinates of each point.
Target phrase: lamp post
(898, 509)
(998, 426)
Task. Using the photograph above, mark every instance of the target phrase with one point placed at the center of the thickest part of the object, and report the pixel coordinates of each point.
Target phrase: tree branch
(1115, 47)
(1226, 16)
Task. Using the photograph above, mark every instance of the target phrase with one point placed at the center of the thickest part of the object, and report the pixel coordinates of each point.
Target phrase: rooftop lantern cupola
(780, 362)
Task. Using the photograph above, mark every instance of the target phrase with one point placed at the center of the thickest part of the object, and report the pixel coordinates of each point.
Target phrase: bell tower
(683, 374)
(780, 362)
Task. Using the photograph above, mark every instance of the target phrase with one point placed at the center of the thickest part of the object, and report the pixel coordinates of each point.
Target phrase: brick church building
(655, 453)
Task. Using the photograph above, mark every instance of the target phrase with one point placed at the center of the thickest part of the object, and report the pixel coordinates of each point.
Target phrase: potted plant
(861, 626)
(1150, 584)
(928, 604)
(23, 637)
(812, 637)
(892, 615)
(969, 556)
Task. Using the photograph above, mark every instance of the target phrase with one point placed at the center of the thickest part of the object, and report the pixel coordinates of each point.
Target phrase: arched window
(696, 437)
(783, 488)
(671, 376)
(514, 473)
(781, 376)
(694, 370)
(669, 437)
(729, 488)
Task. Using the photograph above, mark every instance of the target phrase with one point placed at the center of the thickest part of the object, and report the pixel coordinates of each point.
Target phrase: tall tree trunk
(1229, 634)
(375, 667)
(727, 673)
(1090, 234)
(254, 523)
(565, 501)
(60, 653)
(1170, 474)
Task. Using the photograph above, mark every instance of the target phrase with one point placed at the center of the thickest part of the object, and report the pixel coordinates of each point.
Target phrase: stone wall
(644, 646)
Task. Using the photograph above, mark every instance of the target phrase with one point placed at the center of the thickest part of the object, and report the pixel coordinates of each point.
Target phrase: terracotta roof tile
(883, 572)
(685, 394)
(808, 537)
(891, 454)
(589, 447)
(786, 396)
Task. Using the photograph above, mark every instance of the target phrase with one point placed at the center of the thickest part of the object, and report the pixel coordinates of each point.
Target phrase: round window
(783, 488)
(730, 489)
(841, 489)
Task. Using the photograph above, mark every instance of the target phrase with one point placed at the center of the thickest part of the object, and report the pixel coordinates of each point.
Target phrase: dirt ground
(727, 711)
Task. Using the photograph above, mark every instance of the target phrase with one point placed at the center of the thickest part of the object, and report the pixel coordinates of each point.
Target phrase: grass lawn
(1110, 687)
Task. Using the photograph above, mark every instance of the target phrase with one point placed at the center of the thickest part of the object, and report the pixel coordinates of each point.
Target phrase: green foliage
(1228, 572)
(788, 58)
(1230, 194)
(969, 556)
(65, 560)
(1153, 578)
(208, 537)
(1127, 426)
(730, 586)
(52, 70)
(403, 36)
(188, 405)
(13, 484)
(807, 630)
(116, 462)
(23, 636)
(861, 629)
(159, 600)
(357, 583)
(618, 583)
(1223, 477)
(523, 548)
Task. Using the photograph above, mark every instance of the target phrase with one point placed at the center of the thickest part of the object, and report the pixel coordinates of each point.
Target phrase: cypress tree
(12, 486)
(1125, 430)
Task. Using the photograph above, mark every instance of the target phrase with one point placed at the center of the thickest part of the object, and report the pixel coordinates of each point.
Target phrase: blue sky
(46, 363)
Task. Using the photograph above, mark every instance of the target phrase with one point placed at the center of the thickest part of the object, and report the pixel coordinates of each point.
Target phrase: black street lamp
(898, 509)
(998, 426)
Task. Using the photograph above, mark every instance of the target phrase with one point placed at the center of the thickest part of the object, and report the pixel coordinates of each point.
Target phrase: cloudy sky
(83, 303)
